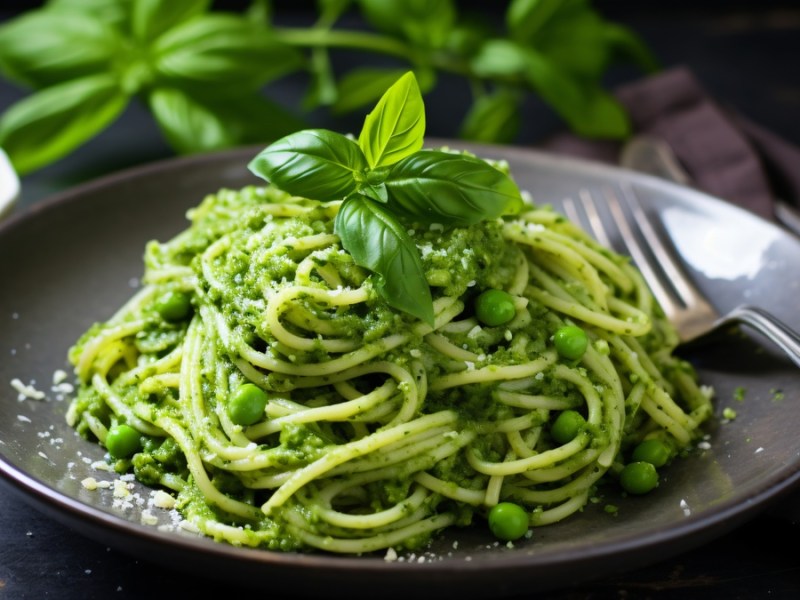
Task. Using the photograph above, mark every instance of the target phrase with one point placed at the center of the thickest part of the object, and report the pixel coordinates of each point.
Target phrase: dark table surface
(745, 54)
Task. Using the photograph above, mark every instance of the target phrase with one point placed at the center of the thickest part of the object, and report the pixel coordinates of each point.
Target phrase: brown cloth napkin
(724, 153)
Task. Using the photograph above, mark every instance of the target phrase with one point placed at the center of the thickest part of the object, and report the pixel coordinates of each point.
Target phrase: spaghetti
(378, 430)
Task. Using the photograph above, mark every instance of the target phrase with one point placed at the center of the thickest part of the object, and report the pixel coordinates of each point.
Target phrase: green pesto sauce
(257, 259)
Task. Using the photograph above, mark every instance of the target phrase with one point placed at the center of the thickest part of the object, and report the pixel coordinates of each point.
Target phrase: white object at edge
(9, 184)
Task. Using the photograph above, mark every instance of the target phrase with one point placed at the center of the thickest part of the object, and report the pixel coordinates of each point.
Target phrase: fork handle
(769, 325)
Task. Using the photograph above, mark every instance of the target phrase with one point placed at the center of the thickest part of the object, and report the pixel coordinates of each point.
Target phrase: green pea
(638, 477)
(567, 425)
(246, 404)
(571, 342)
(495, 307)
(174, 305)
(123, 441)
(654, 451)
(508, 521)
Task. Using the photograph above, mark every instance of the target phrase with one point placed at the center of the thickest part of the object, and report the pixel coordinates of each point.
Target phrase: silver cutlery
(682, 302)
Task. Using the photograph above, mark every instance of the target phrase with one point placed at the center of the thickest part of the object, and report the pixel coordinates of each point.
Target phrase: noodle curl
(379, 430)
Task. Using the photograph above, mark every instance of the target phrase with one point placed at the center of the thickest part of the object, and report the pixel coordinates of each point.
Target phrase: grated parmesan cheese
(162, 499)
(26, 391)
(685, 508)
(148, 518)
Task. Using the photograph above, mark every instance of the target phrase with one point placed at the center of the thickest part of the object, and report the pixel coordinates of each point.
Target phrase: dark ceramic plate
(74, 259)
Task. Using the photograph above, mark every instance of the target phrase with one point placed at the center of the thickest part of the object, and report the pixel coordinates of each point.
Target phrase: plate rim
(714, 524)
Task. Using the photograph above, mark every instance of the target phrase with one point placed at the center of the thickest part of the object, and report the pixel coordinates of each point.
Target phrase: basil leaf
(574, 36)
(363, 86)
(112, 13)
(375, 191)
(431, 186)
(259, 12)
(256, 118)
(44, 47)
(580, 101)
(498, 58)
(602, 116)
(379, 243)
(314, 163)
(426, 23)
(151, 18)
(588, 109)
(396, 126)
(493, 118)
(49, 124)
(526, 18)
(223, 49)
(187, 124)
(202, 123)
(575, 42)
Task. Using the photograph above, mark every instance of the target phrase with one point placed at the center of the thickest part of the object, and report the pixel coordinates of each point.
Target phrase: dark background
(746, 55)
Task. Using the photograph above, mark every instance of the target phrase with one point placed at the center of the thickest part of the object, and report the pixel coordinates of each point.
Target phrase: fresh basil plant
(388, 182)
(202, 72)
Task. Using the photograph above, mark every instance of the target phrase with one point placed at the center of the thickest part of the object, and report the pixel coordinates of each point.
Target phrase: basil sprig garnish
(388, 183)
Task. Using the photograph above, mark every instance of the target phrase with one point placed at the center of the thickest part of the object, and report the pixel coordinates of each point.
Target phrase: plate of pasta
(203, 372)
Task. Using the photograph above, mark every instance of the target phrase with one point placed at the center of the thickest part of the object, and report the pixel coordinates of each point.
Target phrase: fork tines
(618, 221)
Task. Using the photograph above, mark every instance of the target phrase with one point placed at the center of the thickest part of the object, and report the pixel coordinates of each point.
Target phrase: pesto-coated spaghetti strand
(286, 404)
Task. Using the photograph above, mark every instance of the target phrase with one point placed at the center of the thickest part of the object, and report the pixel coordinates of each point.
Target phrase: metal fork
(692, 314)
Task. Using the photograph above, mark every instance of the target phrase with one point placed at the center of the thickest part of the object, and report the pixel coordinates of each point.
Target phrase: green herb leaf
(375, 192)
(315, 163)
(379, 243)
(151, 18)
(431, 186)
(498, 58)
(589, 110)
(580, 101)
(259, 12)
(493, 118)
(44, 47)
(202, 122)
(396, 126)
(225, 50)
(426, 23)
(525, 18)
(187, 125)
(363, 86)
(51, 123)
(574, 40)
(112, 13)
